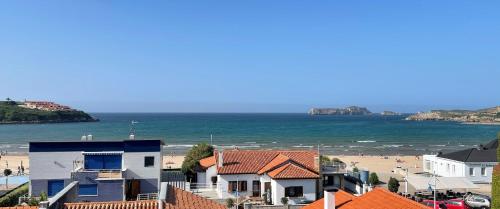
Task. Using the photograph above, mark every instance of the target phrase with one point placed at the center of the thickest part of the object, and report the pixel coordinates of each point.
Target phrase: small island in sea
(482, 116)
(15, 112)
(351, 110)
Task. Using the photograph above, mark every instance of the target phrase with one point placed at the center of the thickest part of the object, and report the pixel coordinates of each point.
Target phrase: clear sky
(251, 56)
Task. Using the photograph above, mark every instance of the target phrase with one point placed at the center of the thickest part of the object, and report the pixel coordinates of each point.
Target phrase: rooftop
(176, 199)
(378, 198)
(486, 153)
(97, 146)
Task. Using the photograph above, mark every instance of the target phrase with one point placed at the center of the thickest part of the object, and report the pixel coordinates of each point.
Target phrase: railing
(147, 196)
(106, 174)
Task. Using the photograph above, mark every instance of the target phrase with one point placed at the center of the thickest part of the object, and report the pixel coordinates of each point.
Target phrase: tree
(355, 169)
(324, 160)
(7, 173)
(373, 179)
(43, 196)
(229, 203)
(284, 200)
(195, 154)
(495, 185)
(393, 185)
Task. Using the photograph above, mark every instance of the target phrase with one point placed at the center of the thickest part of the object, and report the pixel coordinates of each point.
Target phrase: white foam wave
(366, 141)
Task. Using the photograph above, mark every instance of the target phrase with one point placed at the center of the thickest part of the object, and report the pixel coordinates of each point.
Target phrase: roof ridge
(470, 151)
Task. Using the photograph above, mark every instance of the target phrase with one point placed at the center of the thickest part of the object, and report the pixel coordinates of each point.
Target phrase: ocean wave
(438, 145)
(354, 146)
(392, 145)
(249, 142)
(303, 146)
(366, 141)
(179, 145)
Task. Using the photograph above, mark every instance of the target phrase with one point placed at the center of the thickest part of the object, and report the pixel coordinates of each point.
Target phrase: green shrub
(194, 155)
(229, 203)
(393, 185)
(11, 198)
(373, 179)
(284, 200)
(495, 186)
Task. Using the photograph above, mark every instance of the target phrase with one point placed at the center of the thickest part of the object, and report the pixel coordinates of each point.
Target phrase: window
(296, 191)
(87, 189)
(240, 186)
(97, 162)
(483, 171)
(453, 169)
(214, 180)
(54, 186)
(149, 161)
(471, 172)
(428, 165)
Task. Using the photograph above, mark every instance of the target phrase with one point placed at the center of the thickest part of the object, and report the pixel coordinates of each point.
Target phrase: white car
(478, 201)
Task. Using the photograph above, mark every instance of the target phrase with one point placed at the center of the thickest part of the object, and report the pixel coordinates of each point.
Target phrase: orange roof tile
(341, 197)
(176, 199)
(278, 160)
(180, 199)
(207, 162)
(378, 198)
(252, 161)
(292, 171)
(20, 207)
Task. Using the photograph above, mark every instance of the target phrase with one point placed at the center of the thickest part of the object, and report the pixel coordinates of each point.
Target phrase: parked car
(435, 205)
(456, 204)
(478, 201)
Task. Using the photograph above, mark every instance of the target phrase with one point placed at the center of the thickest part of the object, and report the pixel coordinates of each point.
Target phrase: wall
(39, 185)
(107, 190)
(222, 184)
(278, 188)
(440, 165)
(134, 163)
(52, 165)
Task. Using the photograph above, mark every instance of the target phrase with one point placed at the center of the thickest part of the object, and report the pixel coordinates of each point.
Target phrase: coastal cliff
(12, 112)
(486, 116)
(352, 110)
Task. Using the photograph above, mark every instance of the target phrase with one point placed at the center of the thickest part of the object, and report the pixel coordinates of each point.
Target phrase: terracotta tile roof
(176, 199)
(20, 207)
(378, 198)
(180, 199)
(252, 161)
(341, 197)
(277, 161)
(145, 204)
(292, 171)
(207, 162)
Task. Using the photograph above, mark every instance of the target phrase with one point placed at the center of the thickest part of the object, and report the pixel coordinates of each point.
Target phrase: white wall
(201, 178)
(134, 163)
(444, 167)
(52, 165)
(278, 188)
(222, 184)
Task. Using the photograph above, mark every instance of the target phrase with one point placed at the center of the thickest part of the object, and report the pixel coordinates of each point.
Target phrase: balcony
(110, 174)
(333, 168)
(80, 174)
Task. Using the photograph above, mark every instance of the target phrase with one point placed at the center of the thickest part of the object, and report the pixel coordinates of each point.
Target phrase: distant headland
(482, 116)
(27, 112)
(351, 110)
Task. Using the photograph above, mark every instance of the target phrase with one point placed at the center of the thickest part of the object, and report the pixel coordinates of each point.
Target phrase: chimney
(329, 199)
(220, 161)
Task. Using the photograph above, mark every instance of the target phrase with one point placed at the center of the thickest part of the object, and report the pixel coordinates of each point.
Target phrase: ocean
(342, 135)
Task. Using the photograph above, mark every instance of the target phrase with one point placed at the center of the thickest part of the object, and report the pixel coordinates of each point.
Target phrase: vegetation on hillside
(11, 112)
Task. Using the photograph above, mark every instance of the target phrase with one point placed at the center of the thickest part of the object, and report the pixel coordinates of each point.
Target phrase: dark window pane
(149, 161)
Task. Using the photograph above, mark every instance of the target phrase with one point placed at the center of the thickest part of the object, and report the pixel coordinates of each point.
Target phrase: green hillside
(10, 112)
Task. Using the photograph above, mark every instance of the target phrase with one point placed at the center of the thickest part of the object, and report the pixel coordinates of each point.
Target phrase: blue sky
(251, 56)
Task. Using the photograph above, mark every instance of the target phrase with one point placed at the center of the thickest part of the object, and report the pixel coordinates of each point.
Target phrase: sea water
(375, 134)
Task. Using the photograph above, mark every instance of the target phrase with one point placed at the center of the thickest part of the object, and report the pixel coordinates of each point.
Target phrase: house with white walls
(476, 164)
(265, 174)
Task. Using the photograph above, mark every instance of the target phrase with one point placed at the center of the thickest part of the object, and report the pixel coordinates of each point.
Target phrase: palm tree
(7, 173)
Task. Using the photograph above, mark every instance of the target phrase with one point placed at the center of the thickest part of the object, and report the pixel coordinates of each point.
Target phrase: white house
(262, 173)
(476, 164)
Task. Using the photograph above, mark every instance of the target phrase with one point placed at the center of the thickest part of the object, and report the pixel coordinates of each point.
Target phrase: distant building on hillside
(98, 170)
(476, 164)
(44, 105)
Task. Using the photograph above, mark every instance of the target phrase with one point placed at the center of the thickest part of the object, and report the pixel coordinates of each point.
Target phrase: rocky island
(14, 112)
(482, 116)
(352, 110)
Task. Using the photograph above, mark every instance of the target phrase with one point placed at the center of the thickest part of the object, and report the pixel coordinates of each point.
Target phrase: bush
(393, 185)
(229, 203)
(355, 169)
(324, 160)
(195, 154)
(284, 200)
(373, 179)
(495, 186)
(11, 198)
